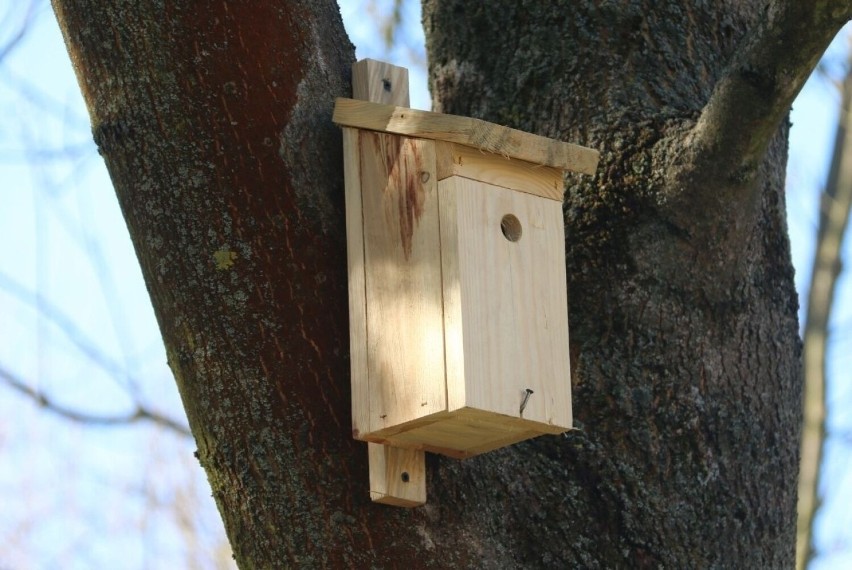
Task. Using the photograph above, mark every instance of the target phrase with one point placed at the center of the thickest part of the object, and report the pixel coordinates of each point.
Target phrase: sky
(76, 325)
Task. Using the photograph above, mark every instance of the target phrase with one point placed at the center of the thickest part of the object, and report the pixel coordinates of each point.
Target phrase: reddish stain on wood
(403, 165)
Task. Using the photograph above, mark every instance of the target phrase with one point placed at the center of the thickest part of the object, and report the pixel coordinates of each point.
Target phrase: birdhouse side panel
(357, 286)
(505, 296)
(402, 260)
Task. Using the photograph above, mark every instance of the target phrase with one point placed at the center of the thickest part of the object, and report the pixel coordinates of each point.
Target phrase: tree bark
(214, 122)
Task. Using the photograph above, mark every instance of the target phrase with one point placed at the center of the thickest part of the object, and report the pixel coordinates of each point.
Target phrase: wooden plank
(511, 308)
(397, 476)
(357, 284)
(385, 83)
(405, 352)
(451, 280)
(475, 133)
(467, 432)
(459, 160)
(380, 82)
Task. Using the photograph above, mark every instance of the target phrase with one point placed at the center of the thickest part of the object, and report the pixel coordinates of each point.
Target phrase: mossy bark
(214, 122)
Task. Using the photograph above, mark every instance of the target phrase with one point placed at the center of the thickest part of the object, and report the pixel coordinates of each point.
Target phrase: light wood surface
(459, 331)
(464, 432)
(505, 324)
(459, 160)
(397, 475)
(508, 299)
(467, 131)
(405, 341)
(357, 284)
(380, 82)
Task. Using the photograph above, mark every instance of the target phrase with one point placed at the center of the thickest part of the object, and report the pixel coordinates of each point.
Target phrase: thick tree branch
(714, 182)
(759, 86)
(139, 414)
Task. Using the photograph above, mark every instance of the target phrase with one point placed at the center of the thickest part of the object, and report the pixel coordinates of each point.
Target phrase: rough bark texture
(687, 384)
(214, 122)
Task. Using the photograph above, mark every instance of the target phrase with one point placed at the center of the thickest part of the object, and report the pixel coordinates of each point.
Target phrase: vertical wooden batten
(397, 475)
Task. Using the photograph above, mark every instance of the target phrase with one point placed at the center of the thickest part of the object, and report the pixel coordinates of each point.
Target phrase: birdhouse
(458, 308)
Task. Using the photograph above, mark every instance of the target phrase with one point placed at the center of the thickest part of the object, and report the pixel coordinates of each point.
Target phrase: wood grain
(457, 286)
(475, 133)
(405, 351)
(387, 181)
(397, 476)
(515, 174)
(357, 285)
(508, 298)
(380, 82)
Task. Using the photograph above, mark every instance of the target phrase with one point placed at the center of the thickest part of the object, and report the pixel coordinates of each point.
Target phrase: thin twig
(64, 323)
(139, 414)
(22, 31)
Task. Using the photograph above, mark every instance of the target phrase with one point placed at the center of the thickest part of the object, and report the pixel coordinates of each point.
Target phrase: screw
(526, 397)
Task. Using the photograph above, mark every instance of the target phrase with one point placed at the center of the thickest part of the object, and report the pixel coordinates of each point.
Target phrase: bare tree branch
(66, 325)
(759, 86)
(711, 184)
(42, 155)
(139, 414)
(19, 35)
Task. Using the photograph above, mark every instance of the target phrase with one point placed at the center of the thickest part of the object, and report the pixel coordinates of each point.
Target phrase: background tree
(681, 305)
(834, 215)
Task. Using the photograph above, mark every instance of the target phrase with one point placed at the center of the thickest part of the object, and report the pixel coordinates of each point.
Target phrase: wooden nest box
(457, 286)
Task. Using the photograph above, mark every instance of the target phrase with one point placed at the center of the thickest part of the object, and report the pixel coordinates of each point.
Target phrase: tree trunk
(214, 123)
(684, 333)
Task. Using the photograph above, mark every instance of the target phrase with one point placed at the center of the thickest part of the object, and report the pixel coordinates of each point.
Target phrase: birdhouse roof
(475, 133)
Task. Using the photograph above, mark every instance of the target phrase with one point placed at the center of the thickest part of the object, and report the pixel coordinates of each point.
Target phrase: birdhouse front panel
(505, 308)
(505, 323)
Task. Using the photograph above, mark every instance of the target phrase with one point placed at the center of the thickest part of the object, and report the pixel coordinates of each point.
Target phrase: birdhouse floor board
(463, 433)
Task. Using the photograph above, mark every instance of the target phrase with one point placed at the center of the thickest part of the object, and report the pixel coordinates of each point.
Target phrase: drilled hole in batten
(405, 477)
(511, 227)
